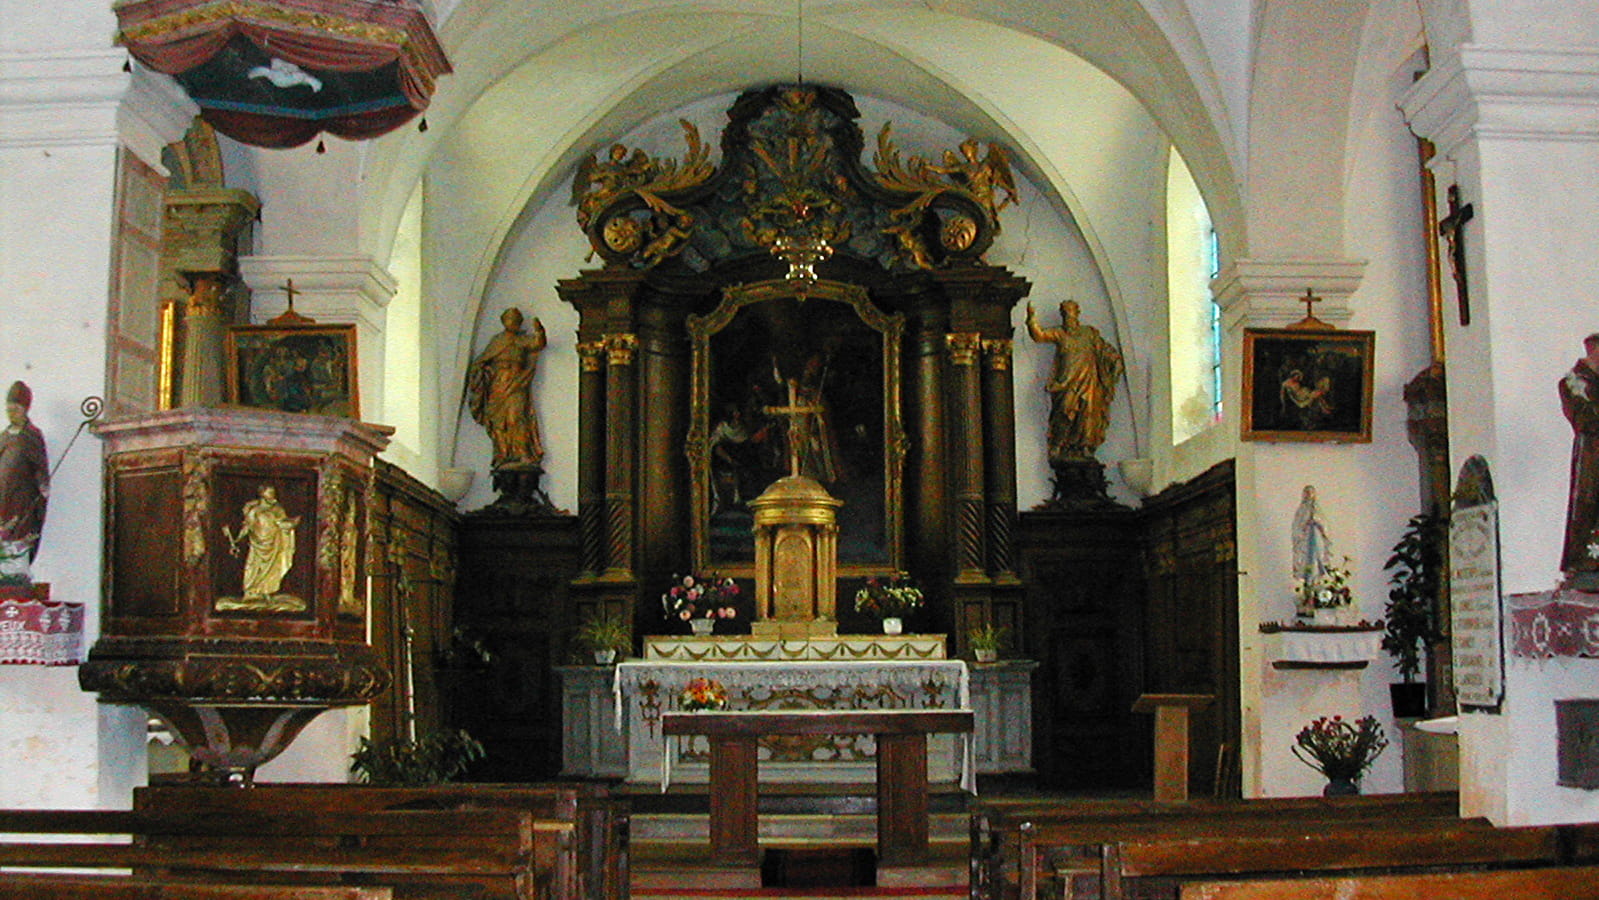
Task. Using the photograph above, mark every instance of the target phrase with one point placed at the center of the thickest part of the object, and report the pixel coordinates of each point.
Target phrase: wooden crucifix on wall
(1452, 227)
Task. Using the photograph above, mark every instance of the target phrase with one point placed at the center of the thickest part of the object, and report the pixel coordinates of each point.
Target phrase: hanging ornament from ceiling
(275, 73)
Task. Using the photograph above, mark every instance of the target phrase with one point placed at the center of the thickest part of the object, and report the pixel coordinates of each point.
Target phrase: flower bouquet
(700, 597)
(1340, 749)
(702, 694)
(1327, 590)
(888, 596)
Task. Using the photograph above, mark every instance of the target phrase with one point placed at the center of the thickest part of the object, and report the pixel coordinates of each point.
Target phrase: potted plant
(605, 634)
(890, 598)
(700, 600)
(1341, 750)
(985, 641)
(433, 758)
(1410, 624)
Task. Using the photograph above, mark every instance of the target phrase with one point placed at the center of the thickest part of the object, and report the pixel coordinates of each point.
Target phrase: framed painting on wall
(1307, 385)
(299, 368)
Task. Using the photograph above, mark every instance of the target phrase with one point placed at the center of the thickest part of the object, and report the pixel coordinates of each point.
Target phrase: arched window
(1194, 321)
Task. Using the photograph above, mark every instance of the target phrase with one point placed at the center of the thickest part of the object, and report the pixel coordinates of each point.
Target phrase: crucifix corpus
(1452, 227)
(796, 412)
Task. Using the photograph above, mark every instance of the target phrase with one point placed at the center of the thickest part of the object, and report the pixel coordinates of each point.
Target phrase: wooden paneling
(1084, 610)
(512, 593)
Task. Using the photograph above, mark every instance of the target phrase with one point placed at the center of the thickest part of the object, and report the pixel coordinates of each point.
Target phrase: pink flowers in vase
(701, 597)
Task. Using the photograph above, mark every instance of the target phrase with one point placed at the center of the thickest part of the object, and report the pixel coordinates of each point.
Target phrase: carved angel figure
(599, 184)
(981, 177)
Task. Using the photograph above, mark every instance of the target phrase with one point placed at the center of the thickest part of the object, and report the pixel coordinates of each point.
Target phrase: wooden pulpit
(1171, 740)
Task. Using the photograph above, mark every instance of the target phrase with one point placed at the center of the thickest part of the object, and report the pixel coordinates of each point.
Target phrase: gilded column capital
(620, 348)
(997, 353)
(589, 353)
(963, 347)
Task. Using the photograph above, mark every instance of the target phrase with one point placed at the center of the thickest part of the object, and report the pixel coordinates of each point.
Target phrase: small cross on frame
(1453, 229)
(1310, 322)
(796, 411)
(289, 316)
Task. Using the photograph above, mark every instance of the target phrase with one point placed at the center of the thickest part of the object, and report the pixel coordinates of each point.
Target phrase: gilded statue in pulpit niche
(267, 531)
(1081, 386)
(498, 385)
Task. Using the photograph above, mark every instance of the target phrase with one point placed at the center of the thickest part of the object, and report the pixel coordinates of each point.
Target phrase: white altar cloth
(644, 689)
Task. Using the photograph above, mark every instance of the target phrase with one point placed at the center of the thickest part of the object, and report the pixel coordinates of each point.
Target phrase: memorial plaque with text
(1474, 592)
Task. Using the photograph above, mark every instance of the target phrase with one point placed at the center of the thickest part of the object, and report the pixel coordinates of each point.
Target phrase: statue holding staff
(498, 384)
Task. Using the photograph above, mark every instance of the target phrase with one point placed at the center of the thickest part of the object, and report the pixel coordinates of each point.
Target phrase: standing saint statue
(498, 384)
(1579, 400)
(268, 531)
(24, 488)
(1081, 387)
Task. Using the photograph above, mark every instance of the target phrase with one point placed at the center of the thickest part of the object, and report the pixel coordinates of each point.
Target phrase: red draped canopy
(324, 36)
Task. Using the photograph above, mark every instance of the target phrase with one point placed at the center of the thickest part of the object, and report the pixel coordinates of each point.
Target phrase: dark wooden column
(662, 417)
(927, 530)
(966, 456)
(620, 454)
(590, 461)
(999, 463)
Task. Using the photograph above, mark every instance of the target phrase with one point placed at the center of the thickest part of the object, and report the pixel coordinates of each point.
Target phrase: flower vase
(893, 625)
(702, 627)
(1340, 786)
(604, 657)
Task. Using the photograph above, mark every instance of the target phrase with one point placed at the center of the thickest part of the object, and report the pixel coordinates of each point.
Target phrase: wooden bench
(491, 853)
(91, 887)
(599, 819)
(1157, 866)
(1017, 841)
(1558, 883)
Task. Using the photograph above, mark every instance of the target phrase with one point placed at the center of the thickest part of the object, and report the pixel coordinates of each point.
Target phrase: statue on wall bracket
(1081, 387)
(498, 388)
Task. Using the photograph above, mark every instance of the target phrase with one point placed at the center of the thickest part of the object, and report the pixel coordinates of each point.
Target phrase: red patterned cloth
(34, 630)
(1553, 623)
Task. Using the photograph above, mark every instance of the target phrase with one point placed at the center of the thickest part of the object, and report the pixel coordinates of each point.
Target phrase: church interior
(1115, 403)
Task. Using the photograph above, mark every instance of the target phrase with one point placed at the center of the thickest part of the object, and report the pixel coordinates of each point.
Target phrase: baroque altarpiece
(792, 307)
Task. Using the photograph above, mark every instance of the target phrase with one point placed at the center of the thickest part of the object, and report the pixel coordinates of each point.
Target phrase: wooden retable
(901, 770)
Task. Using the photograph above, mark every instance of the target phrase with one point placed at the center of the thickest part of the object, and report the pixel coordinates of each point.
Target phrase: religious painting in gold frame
(839, 349)
(294, 368)
(1307, 385)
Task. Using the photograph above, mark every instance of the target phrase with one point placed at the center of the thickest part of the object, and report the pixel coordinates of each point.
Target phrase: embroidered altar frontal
(645, 689)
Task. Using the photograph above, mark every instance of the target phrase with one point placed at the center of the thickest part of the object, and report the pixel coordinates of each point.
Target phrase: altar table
(645, 690)
(902, 834)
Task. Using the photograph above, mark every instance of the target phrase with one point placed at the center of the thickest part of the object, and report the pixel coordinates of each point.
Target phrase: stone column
(201, 234)
(1511, 115)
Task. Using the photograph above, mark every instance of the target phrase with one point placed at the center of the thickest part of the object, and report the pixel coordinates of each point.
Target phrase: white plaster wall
(1367, 492)
(59, 90)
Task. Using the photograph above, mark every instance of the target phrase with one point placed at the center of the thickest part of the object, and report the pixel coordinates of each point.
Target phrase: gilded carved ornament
(590, 355)
(997, 353)
(963, 347)
(620, 205)
(619, 348)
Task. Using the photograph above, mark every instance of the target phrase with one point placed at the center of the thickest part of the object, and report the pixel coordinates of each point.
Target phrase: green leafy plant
(605, 630)
(987, 636)
(1411, 621)
(433, 758)
(466, 649)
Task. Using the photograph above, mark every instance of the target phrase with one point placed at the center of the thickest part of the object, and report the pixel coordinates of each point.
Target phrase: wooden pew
(600, 821)
(490, 853)
(1561, 883)
(1016, 841)
(1156, 866)
(92, 887)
